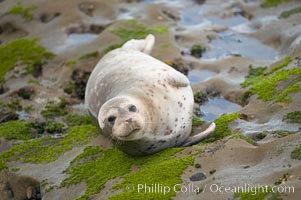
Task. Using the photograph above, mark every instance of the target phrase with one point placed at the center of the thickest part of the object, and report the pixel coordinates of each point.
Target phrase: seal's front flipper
(199, 137)
(145, 45)
(177, 79)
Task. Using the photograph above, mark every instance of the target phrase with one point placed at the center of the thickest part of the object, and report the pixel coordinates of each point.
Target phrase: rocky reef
(243, 59)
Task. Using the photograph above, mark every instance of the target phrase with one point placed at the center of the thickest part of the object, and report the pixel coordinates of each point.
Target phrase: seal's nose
(129, 120)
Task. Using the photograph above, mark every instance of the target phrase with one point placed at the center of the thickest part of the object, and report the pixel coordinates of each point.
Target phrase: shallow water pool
(200, 75)
(217, 106)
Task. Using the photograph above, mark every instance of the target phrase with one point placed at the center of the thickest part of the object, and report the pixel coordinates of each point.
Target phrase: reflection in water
(197, 76)
(215, 107)
(80, 106)
(191, 16)
(75, 39)
(230, 43)
(229, 22)
(22, 114)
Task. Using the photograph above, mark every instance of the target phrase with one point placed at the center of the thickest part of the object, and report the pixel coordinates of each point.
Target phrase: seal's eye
(132, 108)
(111, 119)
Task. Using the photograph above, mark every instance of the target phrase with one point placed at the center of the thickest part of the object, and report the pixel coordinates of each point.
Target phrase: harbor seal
(140, 103)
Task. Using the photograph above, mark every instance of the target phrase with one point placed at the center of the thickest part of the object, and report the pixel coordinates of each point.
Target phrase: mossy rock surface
(77, 120)
(197, 121)
(293, 117)
(16, 130)
(53, 109)
(102, 165)
(288, 13)
(22, 51)
(222, 127)
(24, 12)
(265, 84)
(273, 3)
(48, 149)
(296, 153)
(245, 138)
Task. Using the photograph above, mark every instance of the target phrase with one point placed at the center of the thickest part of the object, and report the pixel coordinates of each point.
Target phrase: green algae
(258, 193)
(288, 13)
(24, 12)
(265, 84)
(273, 3)
(168, 173)
(16, 130)
(287, 60)
(2, 164)
(111, 164)
(93, 54)
(266, 88)
(197, 50)
(14, 105)
(258, 73)
(15, 169)
(197, 121)
(52, 109)
(222, 127)
(283, 96)
(22, 51)
(296, 153)
(53, 126)
(282, 133)
(32, 81)
(245, 138)
(70, 62)
(47, 149)
(255, 75)
(77, 120)
(260, 136)
(197, 165)
(96, 166)
(292, 117)
(136, 31)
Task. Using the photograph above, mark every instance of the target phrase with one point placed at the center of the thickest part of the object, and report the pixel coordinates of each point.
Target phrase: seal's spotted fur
(140, 102)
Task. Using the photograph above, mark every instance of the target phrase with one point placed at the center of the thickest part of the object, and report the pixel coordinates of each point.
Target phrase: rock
(33, 193)
(37, 70)
(197, 50)
(25, 92)
(77, 86)
(179, 65)
(2, 88)
(9, 29)
(198, 177)
(87, 8)
(7, 114)
(199, 1)
(47, 17)
(201, 98)
(39, 127)
(86, 28)
(13, 186)
(170, 15)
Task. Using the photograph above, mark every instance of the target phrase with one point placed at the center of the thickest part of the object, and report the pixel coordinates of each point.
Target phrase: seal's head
(122, 118)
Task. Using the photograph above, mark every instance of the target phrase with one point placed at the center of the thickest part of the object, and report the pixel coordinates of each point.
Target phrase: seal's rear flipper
(199, 137)
(145, 45)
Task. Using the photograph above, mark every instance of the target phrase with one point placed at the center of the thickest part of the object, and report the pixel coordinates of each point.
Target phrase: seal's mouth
(130, 136)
